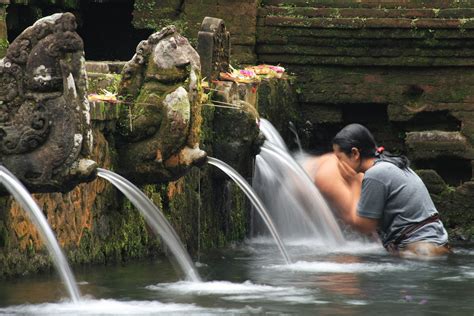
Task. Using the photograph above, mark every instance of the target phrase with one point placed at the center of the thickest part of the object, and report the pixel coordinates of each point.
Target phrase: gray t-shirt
(399, 199)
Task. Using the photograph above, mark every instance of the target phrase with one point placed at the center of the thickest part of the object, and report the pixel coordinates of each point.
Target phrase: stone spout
(45, 129)
(159, 126)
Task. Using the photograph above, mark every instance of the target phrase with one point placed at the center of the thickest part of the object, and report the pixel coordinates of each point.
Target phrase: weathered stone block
(235, 130)
(213, 48)
(97, 67)
(432, 144)
(277, 102)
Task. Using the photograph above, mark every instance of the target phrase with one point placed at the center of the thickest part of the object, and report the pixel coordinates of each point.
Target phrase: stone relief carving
(45, 132)
(158, 129)
(214, 48)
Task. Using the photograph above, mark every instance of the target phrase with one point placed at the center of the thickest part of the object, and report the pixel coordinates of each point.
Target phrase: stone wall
(96, 224)
(240, 17)
(403, 68)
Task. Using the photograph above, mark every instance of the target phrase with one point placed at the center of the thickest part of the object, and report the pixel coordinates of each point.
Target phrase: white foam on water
(462, 251)
(282, 297)
(350, 247)
(110, 307)
(457, 278)
(225, 288)
(356, 302)
(103, 307)
(469, 274)
(319, 247)
(334, 267)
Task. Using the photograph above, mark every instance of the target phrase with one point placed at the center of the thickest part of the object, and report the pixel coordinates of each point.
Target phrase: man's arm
(341, 194)
(343, 191)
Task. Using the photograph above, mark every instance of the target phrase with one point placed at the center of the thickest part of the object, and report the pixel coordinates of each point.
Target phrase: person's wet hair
(358, 136)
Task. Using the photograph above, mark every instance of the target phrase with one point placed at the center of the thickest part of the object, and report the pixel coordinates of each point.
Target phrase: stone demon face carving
(45, 131)
(159, 127)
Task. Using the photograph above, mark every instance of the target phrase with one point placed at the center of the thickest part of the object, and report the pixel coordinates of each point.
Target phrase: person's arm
(363, 224)
(348, 211)
(342, 189)
(365, 215)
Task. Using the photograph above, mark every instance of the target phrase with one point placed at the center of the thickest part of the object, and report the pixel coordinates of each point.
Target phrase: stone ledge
(431, 144)
(365, 51)
(359, 23)
(415, 13)
(352, 33)
(105, 67)
(438, 4)
(414, 61)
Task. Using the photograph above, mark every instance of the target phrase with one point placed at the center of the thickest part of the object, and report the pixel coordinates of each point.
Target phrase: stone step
(434, 144)
(416, 13)
(428, 43)
(367, 23)
(437, 4)
(105, 67)
(272, 32)
(375, 51)
(292, 59)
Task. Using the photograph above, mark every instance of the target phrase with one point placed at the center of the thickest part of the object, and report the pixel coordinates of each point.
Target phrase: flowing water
(249, 192)
(295, 204)
(355, 279)
(271, 134)
(155, 219)
(23, 197)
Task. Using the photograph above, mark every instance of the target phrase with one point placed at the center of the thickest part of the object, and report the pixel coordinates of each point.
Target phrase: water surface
(356, 279)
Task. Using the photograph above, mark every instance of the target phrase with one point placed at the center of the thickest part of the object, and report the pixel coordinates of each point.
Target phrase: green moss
(206, 133)
(3, 47)
(96, 83)
(239, 216)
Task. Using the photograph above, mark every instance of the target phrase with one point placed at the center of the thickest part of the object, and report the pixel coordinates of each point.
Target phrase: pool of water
(357, 279)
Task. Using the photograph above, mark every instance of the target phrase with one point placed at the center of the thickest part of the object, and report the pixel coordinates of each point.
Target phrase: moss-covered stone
(277, 102)
(432, 180)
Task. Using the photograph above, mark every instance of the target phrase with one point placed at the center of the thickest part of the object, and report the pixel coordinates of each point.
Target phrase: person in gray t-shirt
(394, 201)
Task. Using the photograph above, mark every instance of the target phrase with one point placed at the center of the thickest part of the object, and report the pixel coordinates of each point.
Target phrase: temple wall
(94, 223)
(240, 18)
(404, 69)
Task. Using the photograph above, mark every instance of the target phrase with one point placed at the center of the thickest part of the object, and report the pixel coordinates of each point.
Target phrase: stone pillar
(213, 48)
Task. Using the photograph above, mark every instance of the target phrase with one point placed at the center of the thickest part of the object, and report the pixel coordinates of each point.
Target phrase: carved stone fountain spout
(158, 130)
(45, 131)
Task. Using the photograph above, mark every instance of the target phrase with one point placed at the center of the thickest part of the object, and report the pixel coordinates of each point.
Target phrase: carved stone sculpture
(214, 48)
(158, 130)
(45, 132)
